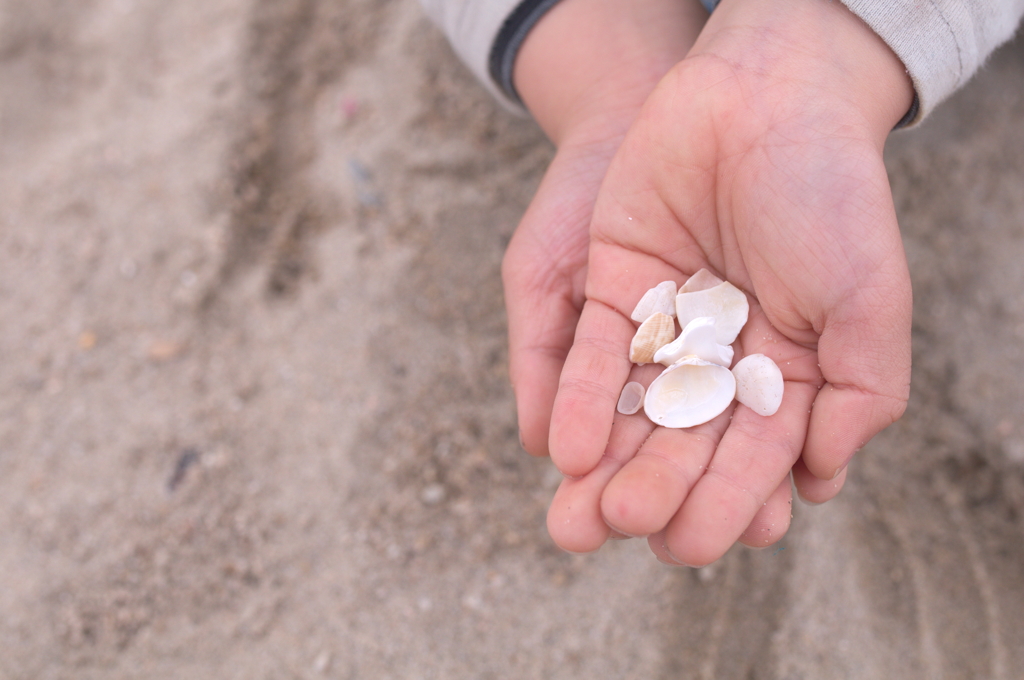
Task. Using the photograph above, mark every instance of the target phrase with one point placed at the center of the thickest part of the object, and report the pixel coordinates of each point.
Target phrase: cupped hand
(584, 72)
(544, 271)
(758, 157)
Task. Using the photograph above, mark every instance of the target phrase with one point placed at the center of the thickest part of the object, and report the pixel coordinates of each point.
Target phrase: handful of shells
(697, 384)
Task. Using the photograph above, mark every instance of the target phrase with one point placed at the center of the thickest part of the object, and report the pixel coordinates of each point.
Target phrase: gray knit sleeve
(941, 42)
(486, 34)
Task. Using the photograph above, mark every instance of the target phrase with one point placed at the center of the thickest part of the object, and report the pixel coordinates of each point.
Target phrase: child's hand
(584, 72)
(758, 157)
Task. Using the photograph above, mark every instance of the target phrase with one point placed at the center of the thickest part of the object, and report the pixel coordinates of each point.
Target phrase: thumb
(864, 354)
(544, 273)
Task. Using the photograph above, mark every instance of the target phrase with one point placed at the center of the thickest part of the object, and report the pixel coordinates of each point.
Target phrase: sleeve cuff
(941, 42)
(502, 58)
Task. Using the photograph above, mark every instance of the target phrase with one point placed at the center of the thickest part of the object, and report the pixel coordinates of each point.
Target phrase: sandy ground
(254, 415)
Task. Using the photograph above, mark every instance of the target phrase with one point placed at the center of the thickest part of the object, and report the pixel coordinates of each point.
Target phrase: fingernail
(668, 558)
(521, 440)
(675, 560)
(620, 532)
(757, 548)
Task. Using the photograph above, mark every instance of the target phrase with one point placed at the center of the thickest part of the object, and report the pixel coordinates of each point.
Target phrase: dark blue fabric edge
(513, 32)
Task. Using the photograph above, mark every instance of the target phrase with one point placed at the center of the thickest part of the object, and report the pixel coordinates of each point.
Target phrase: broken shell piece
(702, 280)
(759, 384)
(725, 303)
(658, 330)
(631, 399)
(697, 339)
(689, 392)
(661, 298)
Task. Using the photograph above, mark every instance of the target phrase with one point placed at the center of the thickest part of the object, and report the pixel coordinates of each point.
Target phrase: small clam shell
(759, 384)
(689, 392)
(702, 280)
(631, 399)
(661, 298)
(697, 339)
(725, 303)
(658, 330)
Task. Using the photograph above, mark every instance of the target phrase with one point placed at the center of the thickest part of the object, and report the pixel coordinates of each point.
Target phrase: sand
(254, 413)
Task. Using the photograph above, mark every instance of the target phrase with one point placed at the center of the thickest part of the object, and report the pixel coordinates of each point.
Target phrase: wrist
(586, 68)
(819, 45)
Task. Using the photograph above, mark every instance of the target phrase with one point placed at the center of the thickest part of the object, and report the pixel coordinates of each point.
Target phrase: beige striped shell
(653, 334)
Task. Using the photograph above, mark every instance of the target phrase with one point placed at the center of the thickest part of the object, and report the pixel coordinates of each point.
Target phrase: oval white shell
(725, 303)
(702, 280)
(689, 392)
(759, 384)
(697, 339)
(631, 399)
(661, 298)
(657, 331)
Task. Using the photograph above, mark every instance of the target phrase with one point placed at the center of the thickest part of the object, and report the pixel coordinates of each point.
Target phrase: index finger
(595, 371)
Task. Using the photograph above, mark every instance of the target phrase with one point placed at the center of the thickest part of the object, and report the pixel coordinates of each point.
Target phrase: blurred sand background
(254, 414)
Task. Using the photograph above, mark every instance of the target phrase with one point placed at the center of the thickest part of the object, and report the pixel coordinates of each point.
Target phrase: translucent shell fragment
(653, 333)
(724, 302)
(702, 280)
(759, 384)
(697, 339)
(631, 399)
(689, 392)
(661, 298)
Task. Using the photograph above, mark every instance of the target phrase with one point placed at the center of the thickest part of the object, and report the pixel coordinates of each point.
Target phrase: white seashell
(631, 399)
(661, 298)
(759, 384)
(657, 331)
(702, 280)
(689, 392)
(697, 339)
(725, 303)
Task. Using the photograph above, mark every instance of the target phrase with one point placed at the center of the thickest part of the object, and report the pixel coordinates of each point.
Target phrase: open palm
(787, 198)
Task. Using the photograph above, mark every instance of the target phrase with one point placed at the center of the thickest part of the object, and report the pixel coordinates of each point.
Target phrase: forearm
(588, 65)
(820, 46)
